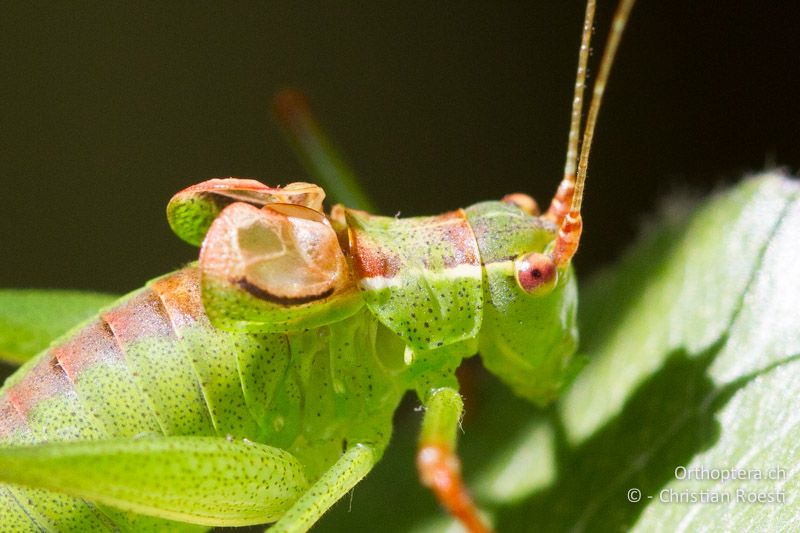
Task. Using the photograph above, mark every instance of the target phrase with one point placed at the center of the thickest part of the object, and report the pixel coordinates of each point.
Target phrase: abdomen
(149, 365)
(152, 364)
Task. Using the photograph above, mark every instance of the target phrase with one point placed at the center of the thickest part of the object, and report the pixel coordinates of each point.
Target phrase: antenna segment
(570, 221)
(617, 27)
(577, 101)
(562, 200)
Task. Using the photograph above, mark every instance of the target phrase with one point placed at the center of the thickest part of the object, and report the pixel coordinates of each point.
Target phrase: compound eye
(536, 273)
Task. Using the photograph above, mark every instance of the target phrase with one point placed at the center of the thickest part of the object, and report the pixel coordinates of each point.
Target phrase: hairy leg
(437, 460)
(351, 467)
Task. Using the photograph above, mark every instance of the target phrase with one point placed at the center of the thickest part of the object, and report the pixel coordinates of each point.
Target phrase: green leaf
(693, 341)
(31, 319)
(680, 289)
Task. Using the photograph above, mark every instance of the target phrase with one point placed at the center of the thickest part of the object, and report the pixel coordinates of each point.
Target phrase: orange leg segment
(438, 464)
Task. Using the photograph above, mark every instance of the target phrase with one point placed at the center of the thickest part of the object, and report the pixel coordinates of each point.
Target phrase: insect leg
(351, 467)
(200, 480)
(437, 459)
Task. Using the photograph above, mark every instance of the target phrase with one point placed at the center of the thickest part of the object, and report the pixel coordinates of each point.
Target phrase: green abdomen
(153, 365)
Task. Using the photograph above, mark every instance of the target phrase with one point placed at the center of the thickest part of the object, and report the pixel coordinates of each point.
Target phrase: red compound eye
(536, 273)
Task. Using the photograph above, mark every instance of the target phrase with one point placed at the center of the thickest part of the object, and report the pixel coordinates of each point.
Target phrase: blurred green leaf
(31, 319)
(693, 340)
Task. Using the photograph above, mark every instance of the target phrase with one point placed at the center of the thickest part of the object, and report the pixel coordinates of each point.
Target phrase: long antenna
(560, 204)
(577, 101)
(617, 27)
(571, 225)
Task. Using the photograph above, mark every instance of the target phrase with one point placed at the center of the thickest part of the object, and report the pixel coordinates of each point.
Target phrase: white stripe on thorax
(457, 272)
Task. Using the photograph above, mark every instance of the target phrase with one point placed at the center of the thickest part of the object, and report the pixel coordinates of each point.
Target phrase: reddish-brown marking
(45, 380)
(180, 295)
(369, 259)
(100, 341)
(10, 420)
(569, 236)
(462, 239)
(93, 344)
(372, 259)
(221, 192)
(231, 183)
(560, 205)
(143, 316)
(440, 470)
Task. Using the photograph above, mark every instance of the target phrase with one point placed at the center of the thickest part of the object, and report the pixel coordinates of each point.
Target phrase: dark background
(108, 109)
